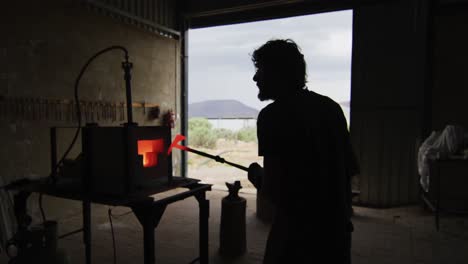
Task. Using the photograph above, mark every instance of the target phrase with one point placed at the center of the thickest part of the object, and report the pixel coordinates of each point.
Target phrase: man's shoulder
(325, 100)
(269, 110)
(326, 104)
(305, 100)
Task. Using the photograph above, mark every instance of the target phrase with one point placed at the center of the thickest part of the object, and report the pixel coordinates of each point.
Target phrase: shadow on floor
(397, 235)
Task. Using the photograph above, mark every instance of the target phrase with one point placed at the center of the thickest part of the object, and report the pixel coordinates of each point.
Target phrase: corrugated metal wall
(159, 16)
(386, 142)
(387, 95)
(450, 79)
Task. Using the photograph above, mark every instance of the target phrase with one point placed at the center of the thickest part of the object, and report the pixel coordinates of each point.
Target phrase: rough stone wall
(43, 46)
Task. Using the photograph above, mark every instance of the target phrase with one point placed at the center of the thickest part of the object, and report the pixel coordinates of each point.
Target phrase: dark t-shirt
(308, 133)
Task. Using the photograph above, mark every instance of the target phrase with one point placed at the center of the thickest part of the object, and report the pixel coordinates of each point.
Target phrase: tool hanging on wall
(63, 110)
(178, 138)
(169, 119)
(153, 113)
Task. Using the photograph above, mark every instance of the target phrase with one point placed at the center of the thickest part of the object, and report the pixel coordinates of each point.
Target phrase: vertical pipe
(53, 151)
(184, 42)
(127, 66)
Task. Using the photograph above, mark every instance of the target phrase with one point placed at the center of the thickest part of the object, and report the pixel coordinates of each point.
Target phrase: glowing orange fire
(150, 149)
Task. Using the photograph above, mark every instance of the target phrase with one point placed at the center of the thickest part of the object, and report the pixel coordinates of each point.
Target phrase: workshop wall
(47, 43)
(387, 99)
(450, 66)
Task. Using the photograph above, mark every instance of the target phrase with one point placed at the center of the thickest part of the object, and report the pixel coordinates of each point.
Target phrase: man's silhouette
(308, 162)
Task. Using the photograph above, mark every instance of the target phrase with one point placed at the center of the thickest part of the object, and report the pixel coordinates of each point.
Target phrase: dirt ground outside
(212, 172)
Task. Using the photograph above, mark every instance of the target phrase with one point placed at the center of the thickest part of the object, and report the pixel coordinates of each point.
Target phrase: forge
(126, 160)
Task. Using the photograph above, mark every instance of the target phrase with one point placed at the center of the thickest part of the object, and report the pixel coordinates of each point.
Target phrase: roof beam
(206, 13)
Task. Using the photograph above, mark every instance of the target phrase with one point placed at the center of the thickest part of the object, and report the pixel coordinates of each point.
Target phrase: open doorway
(223, 103)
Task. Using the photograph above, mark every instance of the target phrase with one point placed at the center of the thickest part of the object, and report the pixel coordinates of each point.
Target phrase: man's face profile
(265, 84)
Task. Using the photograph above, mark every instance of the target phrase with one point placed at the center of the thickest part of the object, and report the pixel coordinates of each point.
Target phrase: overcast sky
(220, 66)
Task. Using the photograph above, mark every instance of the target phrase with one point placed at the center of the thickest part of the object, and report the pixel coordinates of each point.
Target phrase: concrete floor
(400, 235)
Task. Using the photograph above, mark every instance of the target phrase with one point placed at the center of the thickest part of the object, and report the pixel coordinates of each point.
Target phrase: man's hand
(255, 175)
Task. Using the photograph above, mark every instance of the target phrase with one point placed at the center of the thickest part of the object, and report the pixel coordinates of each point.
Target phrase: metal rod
(127, 66)
(237, 165)
(53, 152)
(217, 158)
(204, 154)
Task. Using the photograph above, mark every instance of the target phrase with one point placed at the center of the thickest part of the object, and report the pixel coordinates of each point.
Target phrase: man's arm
(256, 175)
(268, 178)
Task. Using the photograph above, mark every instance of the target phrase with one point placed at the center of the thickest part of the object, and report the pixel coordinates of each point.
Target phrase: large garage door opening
(223, 103)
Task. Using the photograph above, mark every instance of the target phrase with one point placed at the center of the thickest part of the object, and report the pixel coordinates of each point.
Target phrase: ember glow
(150, 149)
(178, 138)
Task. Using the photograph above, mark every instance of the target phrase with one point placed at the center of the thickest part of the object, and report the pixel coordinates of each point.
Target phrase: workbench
(146, 208)
(448, 180)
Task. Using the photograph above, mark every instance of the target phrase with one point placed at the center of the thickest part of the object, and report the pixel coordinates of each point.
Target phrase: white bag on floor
(438, 144)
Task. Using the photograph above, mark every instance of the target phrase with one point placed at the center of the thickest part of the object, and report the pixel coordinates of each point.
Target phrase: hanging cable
(122, 214)
(77, 103)
(41, 208)
(53, 173)
(109, 212)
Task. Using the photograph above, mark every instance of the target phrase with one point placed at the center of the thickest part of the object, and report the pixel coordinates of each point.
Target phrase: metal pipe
(216, 158)
(127, 66)
(53, 153)
(180, 138)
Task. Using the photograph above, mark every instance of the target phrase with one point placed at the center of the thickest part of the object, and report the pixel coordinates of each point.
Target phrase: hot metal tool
(179, 138)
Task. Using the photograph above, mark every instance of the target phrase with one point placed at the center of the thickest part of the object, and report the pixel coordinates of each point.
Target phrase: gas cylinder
(232, 229)
(35, 244)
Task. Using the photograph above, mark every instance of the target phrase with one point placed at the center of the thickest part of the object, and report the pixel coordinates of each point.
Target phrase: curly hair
(283, 58)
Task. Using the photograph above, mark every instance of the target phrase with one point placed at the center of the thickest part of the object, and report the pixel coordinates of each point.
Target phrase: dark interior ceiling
(206, 13)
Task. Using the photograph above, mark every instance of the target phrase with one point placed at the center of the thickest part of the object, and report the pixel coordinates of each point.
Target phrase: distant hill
(222, 109)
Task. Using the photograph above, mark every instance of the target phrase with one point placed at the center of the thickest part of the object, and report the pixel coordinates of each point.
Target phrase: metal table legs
(87, 230)
(204, 206)
(149, 214)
